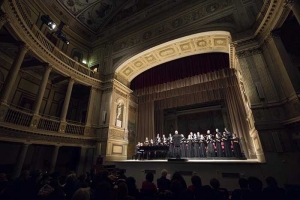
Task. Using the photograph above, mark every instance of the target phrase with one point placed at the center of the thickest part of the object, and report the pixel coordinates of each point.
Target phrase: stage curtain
(158, 119)
(238, 117)
(181, 68)
(145, 121)
(212, 80)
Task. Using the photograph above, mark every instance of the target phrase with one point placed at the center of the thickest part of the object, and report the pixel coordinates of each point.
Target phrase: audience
(149, 188)
(163, 183)
(105, 186)
(272, 191)
(243, 193)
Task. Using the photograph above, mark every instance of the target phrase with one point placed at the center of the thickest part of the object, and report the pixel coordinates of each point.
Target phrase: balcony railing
(23, 117)
(42, 41)
(15, 116)
(48, 124)
(75, 129)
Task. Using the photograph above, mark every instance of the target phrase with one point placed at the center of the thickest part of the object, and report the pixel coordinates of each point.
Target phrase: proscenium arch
(205, 42)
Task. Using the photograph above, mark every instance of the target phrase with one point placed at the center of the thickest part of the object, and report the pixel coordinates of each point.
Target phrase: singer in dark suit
(176, 139)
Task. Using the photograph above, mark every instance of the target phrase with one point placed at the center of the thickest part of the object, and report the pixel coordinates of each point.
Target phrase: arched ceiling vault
(205, 42)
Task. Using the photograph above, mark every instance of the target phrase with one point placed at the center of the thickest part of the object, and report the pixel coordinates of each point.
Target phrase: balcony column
(3, 20)
(12, 74)
(65, 107)
(89, 112)
(294, 5)
(20, 161)
(53, 159)
(39, 98)
(82, 161)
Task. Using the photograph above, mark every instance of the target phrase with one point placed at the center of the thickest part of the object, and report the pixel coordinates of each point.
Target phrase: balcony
(43, 48)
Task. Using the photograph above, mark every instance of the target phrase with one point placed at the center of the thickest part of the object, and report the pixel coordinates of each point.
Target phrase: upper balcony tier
(20, 25)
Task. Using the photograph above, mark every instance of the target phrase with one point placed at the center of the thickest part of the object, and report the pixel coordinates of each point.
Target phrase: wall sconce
(48, 21)
(84, 62)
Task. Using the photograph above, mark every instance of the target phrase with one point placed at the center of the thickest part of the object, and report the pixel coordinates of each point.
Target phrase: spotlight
(65, 40)
(47, 20)
(84, 61)
(61, 35)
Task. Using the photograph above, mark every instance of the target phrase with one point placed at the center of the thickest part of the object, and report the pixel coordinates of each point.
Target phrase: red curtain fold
(181, 68)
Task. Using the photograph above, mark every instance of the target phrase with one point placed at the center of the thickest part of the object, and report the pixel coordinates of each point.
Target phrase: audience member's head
(255, 184)
(164, 173)
(214, 183)
(149, 177)
(176, 176)
(3, 177)
(24, 175)
(122, 191)
(176, 187)
(271, 181)
(243, 183)
(196, 181)
(82, 177)
(82, 194)
(130, 181)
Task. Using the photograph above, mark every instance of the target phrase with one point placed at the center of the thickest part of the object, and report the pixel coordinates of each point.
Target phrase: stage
(191, 160)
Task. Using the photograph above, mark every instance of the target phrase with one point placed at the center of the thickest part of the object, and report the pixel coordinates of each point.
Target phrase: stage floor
(191, 161)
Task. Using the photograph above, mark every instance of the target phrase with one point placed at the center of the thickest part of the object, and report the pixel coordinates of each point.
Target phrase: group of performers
(197, 145)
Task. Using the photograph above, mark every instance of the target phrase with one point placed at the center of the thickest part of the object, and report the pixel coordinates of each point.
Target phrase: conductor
(177, 138)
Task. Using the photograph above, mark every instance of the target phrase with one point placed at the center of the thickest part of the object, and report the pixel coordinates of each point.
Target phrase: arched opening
(190, 84)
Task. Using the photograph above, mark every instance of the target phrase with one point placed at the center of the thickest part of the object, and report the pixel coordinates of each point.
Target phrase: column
(81, 165)
(13, 73)
(3, 20)
(67, 100)
(40, 94)
(20, 161)
(89, 112)
(294, 5)
(285, 60)
(53, 159)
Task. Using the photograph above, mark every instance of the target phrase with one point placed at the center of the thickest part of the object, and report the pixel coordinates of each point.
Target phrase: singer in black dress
(210, 146)
(236, 146)
(227, 144)
(218, 145)
(196, 146)
(189, 152)
(202, 150)
(183, 146)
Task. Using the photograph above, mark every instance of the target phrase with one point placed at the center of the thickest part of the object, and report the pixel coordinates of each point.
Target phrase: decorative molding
(9, 134)
(120, 93)
(249, 52)
(214, 41)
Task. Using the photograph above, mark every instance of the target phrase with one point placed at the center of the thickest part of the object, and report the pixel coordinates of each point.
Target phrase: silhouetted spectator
(255, 185)
(122, 175)
(177, 176)
(148, 187)
(21, 186)
(82, 194)
(122, 192)
(131, 186)
(272, 191)
(81, 183)
(70, 187)
(163, 183)
(243, 193)
(219, 193)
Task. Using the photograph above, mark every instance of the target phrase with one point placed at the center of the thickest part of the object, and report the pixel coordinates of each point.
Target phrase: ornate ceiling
(95, 14)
